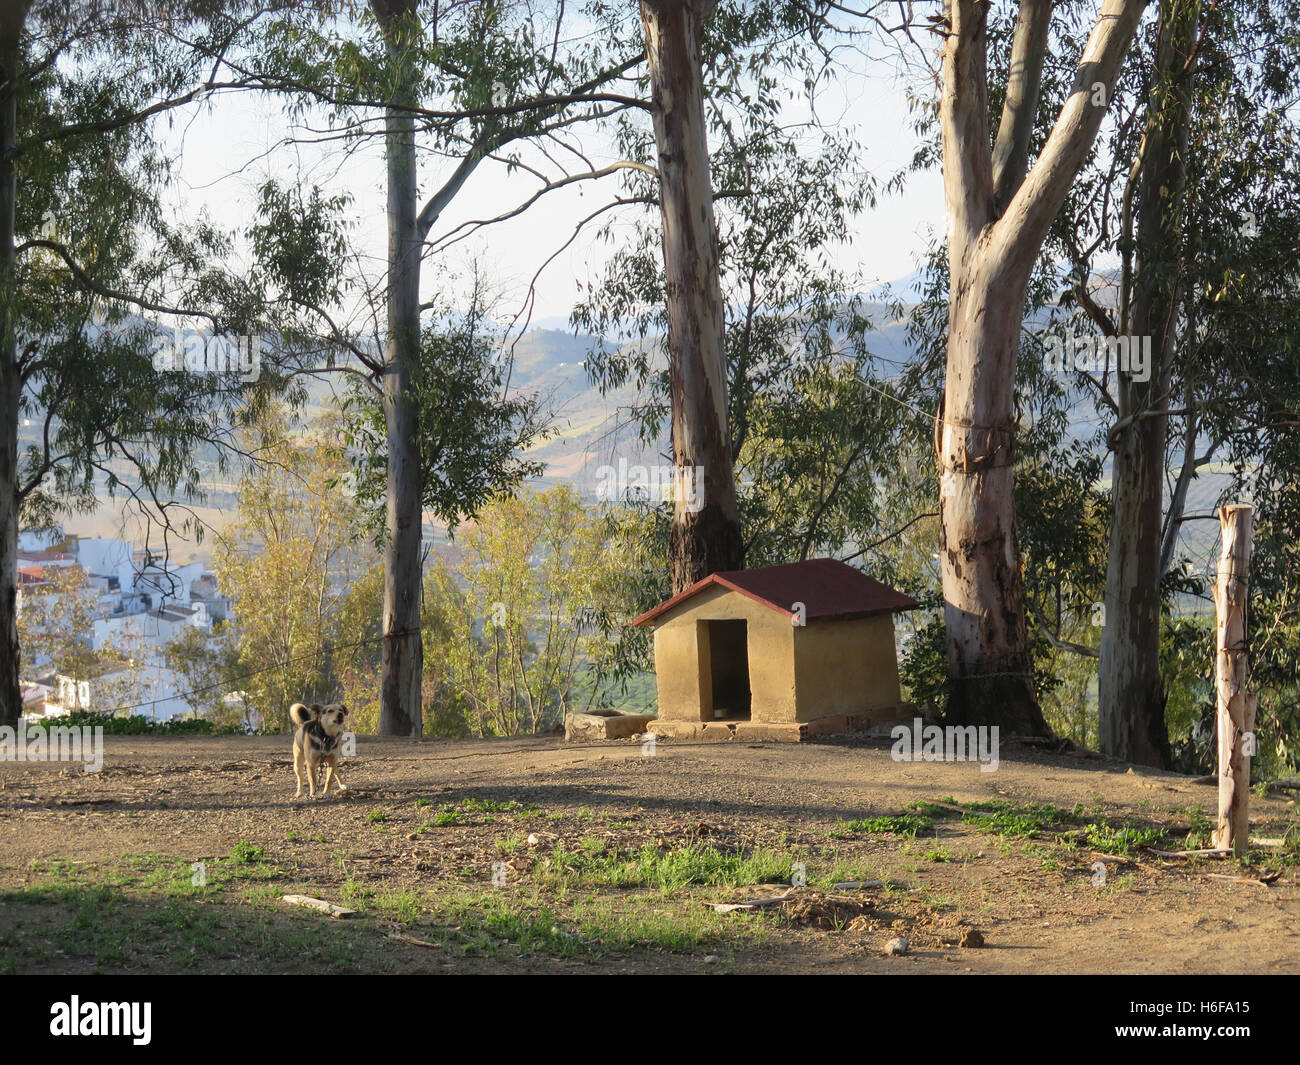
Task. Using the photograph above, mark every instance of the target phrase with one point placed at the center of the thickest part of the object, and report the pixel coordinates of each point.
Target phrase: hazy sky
(225, 151)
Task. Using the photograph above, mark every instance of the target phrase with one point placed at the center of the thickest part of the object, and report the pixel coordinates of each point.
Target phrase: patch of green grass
(132, 926)
(938, 854)
(900, 825)
(666, 871)
(1006, 819)
(493, 923)
(447, 817)
(1121, 840)
(247, 853)
(510, 843)
(491, 806)
(933, 810)
(1200, 830)
(377, 817)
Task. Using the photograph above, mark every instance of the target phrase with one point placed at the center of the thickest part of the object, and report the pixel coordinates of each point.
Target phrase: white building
(143, 604)
(146, 690)
(40, 539)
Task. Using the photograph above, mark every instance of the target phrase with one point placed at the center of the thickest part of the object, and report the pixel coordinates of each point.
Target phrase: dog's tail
(300, 714)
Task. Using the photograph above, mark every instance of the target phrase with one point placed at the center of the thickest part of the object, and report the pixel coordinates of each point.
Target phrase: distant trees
(514, 620)
(84, 245)
(466, 84)
(283, 562)
(520, 617)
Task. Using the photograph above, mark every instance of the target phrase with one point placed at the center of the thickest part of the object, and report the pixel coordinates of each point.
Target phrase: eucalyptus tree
(1000, 209)
(793, 334)
(461, 85)
(1196, 196)
(86, 250)
(705, 538)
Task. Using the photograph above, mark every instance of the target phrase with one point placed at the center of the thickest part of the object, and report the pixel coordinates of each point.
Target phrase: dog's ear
(316, 708)
(344, 710)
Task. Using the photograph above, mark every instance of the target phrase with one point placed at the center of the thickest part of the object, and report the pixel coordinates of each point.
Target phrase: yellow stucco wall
(796, 673)
(682, 660)
(845, 666)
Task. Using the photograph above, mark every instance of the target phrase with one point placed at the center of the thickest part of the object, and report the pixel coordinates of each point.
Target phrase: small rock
(532, 839)
(896, 946)
(413, 835)
(711, 959)
(973, 938)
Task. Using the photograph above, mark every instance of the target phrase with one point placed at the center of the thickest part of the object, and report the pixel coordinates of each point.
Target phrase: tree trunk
(1130, 690)
(402, 663)
(989, 664)
(998, 218)
(11, 703)
(706, 523)
(1234, 705)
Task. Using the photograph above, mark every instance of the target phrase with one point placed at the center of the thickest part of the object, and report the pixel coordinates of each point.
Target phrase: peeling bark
(705, 538)
(998, 218)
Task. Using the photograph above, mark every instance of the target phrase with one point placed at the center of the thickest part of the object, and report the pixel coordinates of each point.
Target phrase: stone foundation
(793, 732)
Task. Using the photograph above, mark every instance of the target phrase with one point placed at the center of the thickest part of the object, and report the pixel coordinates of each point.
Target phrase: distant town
(141, 604)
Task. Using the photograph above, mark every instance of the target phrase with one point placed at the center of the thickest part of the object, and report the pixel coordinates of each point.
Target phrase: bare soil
(70, 840)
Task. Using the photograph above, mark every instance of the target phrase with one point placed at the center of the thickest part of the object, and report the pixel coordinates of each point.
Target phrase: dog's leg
(332, 773)
(297, 771)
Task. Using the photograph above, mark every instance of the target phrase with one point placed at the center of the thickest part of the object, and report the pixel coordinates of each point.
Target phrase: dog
(316, 744)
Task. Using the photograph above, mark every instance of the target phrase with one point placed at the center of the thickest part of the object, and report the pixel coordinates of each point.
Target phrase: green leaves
(300, 245)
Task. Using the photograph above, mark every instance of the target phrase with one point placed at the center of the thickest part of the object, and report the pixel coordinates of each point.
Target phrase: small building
(781, 652)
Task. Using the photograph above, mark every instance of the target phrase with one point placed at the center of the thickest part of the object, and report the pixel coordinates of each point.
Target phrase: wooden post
(1235, 708)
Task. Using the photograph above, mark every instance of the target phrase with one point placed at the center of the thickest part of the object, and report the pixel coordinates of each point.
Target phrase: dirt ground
(414, 846)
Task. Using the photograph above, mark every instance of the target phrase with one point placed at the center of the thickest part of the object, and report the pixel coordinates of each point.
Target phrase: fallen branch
(1211, 852)
(318, 904)
(751, 904)
(411, 939)
(1263, 881)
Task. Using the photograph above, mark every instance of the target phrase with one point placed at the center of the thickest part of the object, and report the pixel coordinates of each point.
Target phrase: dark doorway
(729, 665)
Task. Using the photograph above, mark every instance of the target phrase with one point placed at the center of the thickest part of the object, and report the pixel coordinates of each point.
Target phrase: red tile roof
(830, 590)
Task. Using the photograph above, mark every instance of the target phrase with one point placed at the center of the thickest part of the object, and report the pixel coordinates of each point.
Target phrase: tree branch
(1019, 233)
(1024, 76)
